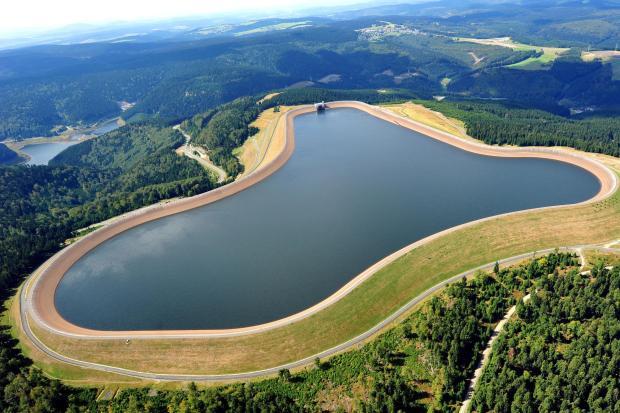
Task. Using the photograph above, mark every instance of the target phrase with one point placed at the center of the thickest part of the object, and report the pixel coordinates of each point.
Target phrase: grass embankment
(421, 114)
(264, 146)
(53, 369)
(364, 307)
(594, 257)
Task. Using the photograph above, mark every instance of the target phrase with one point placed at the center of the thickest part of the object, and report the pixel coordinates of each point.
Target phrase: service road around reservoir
(274, 370)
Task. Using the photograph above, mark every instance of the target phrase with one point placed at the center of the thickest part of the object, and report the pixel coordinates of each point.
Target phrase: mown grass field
(549, 54)
(429, 117)
(371, 302)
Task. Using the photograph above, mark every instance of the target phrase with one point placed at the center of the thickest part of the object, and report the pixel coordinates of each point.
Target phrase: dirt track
(40, 288)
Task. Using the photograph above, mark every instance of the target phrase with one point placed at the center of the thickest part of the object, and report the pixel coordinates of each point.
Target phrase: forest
(504, 124)
(8, 156)
(46, 86)
(561, 353)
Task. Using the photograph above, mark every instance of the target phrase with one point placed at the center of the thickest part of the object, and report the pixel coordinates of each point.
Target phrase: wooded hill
(503, 124)
(8, 156)
(46, 86)
(562, 353)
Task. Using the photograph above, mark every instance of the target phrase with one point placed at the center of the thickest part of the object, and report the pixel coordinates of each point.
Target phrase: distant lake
(355, 190)
(105, 127)
(41, 153)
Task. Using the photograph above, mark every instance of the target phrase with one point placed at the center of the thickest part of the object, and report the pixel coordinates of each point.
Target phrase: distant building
(320, 107)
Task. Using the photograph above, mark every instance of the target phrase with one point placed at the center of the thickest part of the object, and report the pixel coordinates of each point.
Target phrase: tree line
(562, 353)
(503, 124)
(7, 156)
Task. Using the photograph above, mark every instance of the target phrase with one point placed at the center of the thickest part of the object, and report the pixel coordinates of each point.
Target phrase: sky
(22, 16)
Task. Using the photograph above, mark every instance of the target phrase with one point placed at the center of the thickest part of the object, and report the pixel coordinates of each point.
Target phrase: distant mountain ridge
(178, 71)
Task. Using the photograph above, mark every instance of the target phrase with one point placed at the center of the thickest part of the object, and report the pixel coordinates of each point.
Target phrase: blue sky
(28, 15)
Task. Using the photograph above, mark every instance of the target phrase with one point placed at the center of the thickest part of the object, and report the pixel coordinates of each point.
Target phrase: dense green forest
(563, 351)
(45, 86)
(40, 206)
(8, 156)
(497, 123)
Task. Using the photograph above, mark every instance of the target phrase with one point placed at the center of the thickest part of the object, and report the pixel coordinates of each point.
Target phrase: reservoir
(41, 153)
(355, 190)
(106, 126)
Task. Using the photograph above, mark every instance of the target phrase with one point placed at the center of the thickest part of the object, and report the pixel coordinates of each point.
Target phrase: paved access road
(200, 155)
(259, 373)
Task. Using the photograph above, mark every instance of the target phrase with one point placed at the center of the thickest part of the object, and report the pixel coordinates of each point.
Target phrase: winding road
(295, 364)
(198, 154)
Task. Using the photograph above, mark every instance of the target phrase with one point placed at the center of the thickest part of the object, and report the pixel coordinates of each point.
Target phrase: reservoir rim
(43, 283)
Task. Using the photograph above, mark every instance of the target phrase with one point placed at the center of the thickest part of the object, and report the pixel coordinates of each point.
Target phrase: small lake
(41, 153)
(105, 127)
(355, 190)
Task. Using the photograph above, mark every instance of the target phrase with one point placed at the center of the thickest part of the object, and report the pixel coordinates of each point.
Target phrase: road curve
(40, 291)
(25, 322)
(202, 158)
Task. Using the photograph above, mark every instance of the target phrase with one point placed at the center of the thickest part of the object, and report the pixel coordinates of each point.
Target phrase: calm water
(105, 127)
(41, 153)
(355, 190)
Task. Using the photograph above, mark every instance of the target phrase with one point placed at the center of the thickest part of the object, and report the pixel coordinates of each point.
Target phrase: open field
(592, 257)
(267, 97)
(549, 54)
(366, 305)
(604, 55)
(420, 113)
